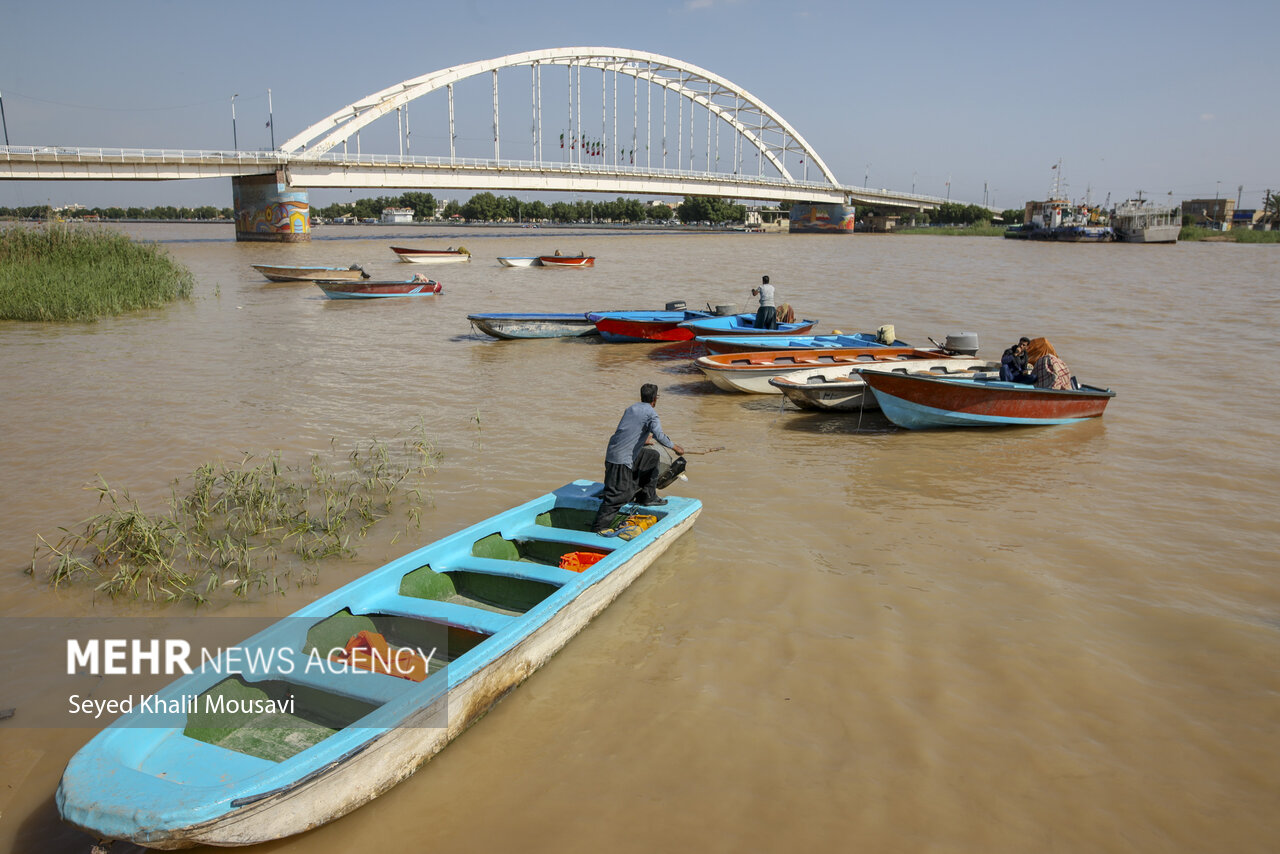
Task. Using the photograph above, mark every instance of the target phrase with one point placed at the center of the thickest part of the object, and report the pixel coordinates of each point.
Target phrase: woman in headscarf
(1048, 370)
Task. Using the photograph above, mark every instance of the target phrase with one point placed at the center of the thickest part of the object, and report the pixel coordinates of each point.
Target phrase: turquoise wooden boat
(919, 402)
(744, 324)
(307, 745)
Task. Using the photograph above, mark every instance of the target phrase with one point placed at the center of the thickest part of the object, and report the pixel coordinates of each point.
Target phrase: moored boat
(840, 389)
(517, 325)
(492, 603)
(277, 273)
(580, 260)
(418, 286)
(520, 261)
(432, 256)
(743, 325)
(1139, 221)
(744, 343)
(921, 402)
(751, 372)
(633, 326)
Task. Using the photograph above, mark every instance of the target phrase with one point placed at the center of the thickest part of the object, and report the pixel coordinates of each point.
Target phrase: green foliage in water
(252, 526)
(60, 272)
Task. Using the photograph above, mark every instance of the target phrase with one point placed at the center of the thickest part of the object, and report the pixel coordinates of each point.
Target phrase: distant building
(393, 216)
(1210, 213)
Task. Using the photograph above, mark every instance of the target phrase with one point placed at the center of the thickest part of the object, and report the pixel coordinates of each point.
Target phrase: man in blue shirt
(630, 468)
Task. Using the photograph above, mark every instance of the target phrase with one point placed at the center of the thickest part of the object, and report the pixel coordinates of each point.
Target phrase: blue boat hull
(740, 343)
(151, 779)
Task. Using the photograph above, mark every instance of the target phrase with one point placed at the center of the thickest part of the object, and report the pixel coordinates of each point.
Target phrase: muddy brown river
(1042, 639)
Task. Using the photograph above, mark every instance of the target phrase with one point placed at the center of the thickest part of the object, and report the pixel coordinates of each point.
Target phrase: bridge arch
(758, 124)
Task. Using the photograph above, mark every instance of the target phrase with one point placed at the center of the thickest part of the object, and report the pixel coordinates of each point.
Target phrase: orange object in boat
(370, 651)
(579, 561)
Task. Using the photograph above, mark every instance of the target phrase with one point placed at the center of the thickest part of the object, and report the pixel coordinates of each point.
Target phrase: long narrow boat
(743, 325)
(516, 325)
(415, 287)
(751, 372)
(310, 274)
(432, 256)
(839, 389)
(743, 343)
(520, 261)
(567, 260)
(920, 402)
(629, 326)
(493, 602)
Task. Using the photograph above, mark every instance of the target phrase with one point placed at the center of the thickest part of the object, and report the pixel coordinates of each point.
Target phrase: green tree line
(163, 212)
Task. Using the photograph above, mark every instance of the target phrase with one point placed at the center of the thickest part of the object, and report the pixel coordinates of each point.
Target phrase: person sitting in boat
(630, 466)
(767, 314)
(1048, 370)
(1013, 365)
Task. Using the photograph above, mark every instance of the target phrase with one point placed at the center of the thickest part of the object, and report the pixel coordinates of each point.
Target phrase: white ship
(1139, 221)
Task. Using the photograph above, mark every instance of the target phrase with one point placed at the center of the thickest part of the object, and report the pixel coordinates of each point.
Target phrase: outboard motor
(676, 305)
(964, 344)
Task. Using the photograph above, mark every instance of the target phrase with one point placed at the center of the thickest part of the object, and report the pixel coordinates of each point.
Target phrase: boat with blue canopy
(264, 745)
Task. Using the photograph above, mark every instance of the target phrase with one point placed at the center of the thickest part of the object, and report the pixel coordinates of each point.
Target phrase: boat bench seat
(513, 569)
(376, 688)
(475, 619)
(570, 536)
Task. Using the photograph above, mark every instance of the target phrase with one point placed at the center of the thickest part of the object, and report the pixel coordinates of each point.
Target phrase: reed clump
(66, 272)
(253, 526)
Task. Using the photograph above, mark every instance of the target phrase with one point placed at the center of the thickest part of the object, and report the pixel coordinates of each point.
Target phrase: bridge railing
(134, 155)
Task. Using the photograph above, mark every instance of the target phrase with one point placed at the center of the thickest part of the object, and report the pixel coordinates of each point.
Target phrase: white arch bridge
(670, 128)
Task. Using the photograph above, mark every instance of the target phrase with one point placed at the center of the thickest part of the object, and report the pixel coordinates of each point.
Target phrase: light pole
(866, 175)
(235, 143)
(270, 121)
(2, 120)
(913, 183)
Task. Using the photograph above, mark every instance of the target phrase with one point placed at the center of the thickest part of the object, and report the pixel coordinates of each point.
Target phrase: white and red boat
(418, 286)
(579, 260)
(432, 256)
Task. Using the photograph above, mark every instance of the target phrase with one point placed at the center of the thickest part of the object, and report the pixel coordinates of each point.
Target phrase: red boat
(418, 286)
(628, 326)
(579, 260)
(919, 402)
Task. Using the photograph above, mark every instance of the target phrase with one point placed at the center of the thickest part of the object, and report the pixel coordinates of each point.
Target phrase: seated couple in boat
(1035, 363)
(631, 463)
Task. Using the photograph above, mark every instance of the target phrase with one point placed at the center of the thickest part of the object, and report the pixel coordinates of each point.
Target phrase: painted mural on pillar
(266, 206)
(821, 218)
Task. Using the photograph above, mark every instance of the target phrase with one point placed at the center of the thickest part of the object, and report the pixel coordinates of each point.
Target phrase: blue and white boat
(521, 325)
(239, 755)
(744, 324)
(742, 343)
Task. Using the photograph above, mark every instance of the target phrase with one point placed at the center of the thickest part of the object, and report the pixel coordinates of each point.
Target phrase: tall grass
(63, 272)
(978, 229)
(257, 525)
(1235, 235)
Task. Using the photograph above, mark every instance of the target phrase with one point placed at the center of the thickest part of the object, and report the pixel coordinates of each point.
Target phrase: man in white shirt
(767, 314)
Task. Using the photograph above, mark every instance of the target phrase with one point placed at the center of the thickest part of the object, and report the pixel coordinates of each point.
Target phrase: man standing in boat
(767, 315)
(630, 466)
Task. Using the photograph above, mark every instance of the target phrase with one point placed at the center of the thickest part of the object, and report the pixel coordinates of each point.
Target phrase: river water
(1045, 639)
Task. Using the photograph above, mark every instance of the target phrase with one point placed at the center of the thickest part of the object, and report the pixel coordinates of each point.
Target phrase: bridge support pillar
(267, 209)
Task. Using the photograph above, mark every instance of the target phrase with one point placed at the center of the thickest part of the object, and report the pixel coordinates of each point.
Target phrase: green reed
(228, 525)
(65, 272)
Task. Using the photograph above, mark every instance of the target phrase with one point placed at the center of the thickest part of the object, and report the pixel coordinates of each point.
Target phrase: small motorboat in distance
(743, 325)
(418, 286)
(432, 256)
(520, 261)
(923, 402)
(743, 343)
(310, 274)
(269, 746)
(517, 325)
(618, 327)
(579, 260)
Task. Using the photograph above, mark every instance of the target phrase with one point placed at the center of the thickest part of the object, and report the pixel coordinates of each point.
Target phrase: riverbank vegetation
(61, 272)
(253, 526)
(1193, 233)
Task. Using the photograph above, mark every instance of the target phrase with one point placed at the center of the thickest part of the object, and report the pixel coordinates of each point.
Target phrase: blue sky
(1164, 97)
